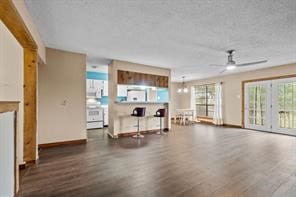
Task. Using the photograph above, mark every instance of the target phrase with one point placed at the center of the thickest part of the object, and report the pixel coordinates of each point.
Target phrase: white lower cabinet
(95, 125)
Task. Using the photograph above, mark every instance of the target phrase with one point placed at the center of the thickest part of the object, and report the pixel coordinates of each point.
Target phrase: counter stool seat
(160, 113)
(138, 112)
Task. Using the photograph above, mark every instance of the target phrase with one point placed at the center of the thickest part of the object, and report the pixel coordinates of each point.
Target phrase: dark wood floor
(198, 160)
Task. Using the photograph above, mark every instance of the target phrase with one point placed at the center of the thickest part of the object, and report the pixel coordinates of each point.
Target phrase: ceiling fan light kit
(231, 67)
(231, 64)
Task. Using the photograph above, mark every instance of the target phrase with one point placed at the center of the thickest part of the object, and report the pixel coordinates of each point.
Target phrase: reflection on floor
(97, 134)
(195, 160)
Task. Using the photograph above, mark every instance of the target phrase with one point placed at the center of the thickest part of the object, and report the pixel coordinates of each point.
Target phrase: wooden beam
(14, 22)
(30, 120)
(16, 25)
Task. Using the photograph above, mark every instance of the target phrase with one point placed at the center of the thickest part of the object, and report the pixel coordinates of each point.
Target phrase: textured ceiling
(184, 35)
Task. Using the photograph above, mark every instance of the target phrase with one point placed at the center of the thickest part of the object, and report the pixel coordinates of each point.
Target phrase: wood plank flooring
(196, 160)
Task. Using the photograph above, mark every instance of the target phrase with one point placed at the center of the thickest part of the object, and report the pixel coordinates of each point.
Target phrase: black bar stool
(160, 113)
(139, 112)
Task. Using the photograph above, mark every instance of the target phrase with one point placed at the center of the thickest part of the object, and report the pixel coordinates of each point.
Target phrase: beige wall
(12, 78)
(232, 94)
(22, 10)
(62, 97)
(119, 114)
(176, 98)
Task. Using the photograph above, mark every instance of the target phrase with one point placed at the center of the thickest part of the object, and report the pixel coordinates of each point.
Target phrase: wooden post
(30, 120)
(14, 22)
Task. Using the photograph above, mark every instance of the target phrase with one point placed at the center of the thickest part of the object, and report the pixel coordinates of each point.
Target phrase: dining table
(184, 114)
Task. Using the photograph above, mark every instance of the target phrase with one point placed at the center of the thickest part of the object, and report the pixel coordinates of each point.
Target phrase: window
(205, 100)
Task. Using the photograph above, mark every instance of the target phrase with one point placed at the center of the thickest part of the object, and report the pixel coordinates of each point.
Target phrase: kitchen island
(124, 123)
(132, 85)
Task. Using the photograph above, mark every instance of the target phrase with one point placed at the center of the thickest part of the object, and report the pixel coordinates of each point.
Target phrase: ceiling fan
(231, 64)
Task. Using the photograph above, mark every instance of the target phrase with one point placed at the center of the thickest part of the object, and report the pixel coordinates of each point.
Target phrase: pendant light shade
(184, 89)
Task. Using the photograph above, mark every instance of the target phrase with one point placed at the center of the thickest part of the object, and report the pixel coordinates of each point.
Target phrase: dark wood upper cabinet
(135, 78)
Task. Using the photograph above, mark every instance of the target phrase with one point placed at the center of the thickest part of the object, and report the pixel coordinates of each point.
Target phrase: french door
(284, 107)
(271, 106)
(257, 105)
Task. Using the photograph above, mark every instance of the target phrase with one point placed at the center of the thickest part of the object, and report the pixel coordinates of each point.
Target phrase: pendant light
(184, 89)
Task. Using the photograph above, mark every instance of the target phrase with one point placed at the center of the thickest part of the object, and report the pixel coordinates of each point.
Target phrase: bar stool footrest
(161, 133)
(138, 136)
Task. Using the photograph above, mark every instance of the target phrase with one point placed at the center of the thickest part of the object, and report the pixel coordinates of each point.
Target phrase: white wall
(176, 98)
(232, 86)
(12, 79)
(62, 97)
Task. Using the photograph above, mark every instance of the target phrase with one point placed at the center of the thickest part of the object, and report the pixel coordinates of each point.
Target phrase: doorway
(271, 106)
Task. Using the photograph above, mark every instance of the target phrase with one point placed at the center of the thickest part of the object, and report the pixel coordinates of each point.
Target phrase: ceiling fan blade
(251, 63)
(222, 71)
(216, 65)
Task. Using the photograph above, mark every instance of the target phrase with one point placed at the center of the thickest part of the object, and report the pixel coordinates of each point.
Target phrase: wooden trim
(243, 105)
(30, 163)
(22, 166)
(257, 80)
(204, 117)
(17, 194)
(6, 106)
(205, 122)
(232, 126)
(270, 78)
(64, 143)
(30, 111)
(14, 22)
(129, 134)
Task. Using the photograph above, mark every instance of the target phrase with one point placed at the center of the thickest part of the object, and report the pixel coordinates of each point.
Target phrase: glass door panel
(257, 102)
(284, 109)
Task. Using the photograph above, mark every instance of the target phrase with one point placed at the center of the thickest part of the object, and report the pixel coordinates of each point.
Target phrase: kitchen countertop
(140, 102)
